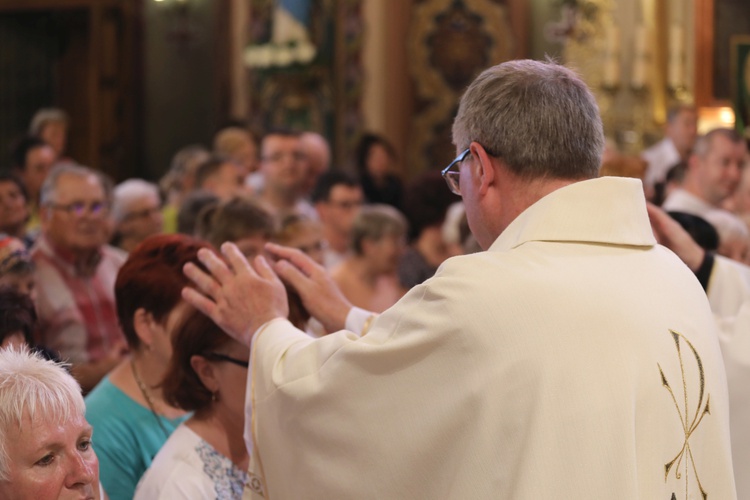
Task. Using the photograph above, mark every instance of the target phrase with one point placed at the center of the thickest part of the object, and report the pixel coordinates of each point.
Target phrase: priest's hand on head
(320, 295)
(239, 297)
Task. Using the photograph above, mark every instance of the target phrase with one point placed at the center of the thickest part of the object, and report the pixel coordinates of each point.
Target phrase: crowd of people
(261, 322)
(102, 265)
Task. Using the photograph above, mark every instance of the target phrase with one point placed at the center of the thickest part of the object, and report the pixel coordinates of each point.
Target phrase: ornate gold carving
(441, 76)
(689, 423)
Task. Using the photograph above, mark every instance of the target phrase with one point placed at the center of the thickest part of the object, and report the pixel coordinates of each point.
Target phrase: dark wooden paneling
(87, 59)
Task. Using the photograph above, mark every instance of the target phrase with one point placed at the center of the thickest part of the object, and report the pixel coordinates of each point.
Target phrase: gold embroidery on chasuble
(255, 484)
(691, 408)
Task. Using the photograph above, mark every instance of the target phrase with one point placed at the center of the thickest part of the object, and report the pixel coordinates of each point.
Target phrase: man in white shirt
(680, 133)
(574, 358)
(713, 174)
(337, 197)
(283, 164)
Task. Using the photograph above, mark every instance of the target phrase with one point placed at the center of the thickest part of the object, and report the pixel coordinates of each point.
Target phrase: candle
(611, 75)
(641, 40)
(640, 57)
(675, 67)
(675, 39)
(613, 40)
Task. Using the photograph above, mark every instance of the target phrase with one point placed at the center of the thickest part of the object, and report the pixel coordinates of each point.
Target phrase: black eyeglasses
(452, 176)
(215, 356)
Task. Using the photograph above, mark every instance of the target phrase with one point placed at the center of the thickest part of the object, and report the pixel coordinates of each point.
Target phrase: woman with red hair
(127, 409)
(206, 456)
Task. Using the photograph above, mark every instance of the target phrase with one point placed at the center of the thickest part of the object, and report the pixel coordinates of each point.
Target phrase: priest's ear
(484, 169)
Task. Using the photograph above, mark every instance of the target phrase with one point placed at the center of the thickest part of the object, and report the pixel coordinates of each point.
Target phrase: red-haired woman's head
(152, 279)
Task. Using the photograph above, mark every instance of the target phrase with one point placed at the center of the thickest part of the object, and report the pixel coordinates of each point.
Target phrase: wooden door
(81, 56)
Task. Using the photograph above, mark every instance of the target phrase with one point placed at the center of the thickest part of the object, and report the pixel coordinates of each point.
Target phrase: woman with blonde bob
(45, 441)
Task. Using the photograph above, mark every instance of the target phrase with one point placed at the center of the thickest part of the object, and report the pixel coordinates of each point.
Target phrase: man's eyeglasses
(78, 208)
(452, 176)
(215, 356)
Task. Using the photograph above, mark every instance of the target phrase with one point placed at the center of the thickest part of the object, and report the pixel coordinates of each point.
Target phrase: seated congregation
(99, 340)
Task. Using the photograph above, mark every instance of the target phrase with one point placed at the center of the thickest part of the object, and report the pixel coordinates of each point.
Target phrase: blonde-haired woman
(46, 441)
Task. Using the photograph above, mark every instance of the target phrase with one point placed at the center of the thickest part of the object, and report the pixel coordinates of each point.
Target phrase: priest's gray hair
(538, 117)
(33, 389)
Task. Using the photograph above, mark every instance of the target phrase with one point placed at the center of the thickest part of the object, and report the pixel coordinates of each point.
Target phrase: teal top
(126, 437)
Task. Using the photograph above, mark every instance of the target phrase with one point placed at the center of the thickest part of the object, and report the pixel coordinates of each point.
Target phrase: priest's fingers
(300, 259)
(217, 267)
(320, 295)
(235, 257)
(207, 295)
(241, 300)
(293, 275)
(226, 315)
(263, 268)
(199, 301)
(202, 280)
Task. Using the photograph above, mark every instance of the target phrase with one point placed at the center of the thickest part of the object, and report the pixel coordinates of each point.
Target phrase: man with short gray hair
(573, 358)
(713, 173)
(75, 273)
(136, 213)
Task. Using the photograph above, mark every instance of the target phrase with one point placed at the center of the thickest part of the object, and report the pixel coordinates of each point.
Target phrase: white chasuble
(729, 296)
(575, 359)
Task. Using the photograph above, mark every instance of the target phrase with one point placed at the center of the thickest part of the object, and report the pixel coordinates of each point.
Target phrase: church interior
(142, 78)
(424, 262)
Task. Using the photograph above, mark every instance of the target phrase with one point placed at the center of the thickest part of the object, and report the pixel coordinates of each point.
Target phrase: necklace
(147, 397)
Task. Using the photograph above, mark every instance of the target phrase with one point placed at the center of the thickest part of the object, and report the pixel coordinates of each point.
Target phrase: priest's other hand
(238, 296)
(320, 295)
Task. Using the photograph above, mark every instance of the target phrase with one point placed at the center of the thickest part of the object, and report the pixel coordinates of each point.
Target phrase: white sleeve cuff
(359, 320)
